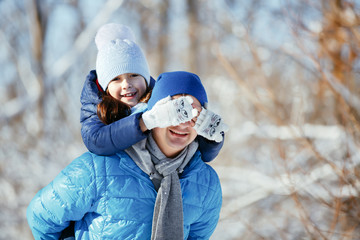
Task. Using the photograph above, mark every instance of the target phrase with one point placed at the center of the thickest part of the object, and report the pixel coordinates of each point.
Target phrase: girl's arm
(211, 133)
(67, 198)
(104, 139)
(209, 149)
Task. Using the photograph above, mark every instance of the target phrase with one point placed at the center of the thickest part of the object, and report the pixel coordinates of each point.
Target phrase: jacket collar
(195, 164)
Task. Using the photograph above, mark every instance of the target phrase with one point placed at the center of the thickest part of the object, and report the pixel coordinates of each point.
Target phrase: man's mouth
(177, 133)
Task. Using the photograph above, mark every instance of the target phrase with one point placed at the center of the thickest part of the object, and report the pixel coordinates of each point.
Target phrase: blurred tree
(338, 54)
(195, 35)
(37, 31)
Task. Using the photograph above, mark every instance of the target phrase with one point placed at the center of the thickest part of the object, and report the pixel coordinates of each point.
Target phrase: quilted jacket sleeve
(104, 139)
(67, 198)
(206, 224)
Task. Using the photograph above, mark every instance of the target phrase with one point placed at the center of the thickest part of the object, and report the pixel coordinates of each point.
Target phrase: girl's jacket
(109, 139)
(109, 197)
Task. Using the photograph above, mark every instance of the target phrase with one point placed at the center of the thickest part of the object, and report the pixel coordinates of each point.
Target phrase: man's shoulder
(95, 161)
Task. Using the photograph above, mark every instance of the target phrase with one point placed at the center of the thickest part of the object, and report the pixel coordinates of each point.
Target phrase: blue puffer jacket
(111, 198)
(109, 139)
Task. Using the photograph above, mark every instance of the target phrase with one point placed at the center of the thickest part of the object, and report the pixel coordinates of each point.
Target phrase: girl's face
(172, 140)
(128, 88)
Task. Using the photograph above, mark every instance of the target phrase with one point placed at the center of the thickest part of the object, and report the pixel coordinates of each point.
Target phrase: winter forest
(283, 74)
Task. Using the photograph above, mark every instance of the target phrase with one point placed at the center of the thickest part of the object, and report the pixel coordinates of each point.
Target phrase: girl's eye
(134, 75)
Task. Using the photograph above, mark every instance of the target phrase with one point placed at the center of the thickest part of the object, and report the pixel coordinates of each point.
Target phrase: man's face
(172, 140)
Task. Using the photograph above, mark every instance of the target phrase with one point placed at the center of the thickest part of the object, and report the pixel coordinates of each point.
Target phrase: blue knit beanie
(174, 83)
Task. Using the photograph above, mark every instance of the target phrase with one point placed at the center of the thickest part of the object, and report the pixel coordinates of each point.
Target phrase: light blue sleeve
(67, 198)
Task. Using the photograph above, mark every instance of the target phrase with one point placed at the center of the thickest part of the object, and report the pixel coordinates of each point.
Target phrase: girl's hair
(110, 109)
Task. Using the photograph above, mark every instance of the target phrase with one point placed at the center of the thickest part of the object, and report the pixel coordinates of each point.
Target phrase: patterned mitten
(168, 112)
(210, 126)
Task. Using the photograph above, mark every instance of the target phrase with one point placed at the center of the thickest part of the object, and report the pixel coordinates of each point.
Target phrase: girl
(116, 93)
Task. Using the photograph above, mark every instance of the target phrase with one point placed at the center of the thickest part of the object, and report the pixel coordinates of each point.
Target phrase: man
(158, 188)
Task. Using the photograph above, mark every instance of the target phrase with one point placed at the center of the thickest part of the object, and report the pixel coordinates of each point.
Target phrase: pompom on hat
(112, 31)
(174, 83)
(118, 54)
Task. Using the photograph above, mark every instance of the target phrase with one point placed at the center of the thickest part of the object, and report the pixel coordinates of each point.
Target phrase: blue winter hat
(174, 83)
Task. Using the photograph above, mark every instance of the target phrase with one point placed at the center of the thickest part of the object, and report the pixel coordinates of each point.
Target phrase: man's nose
(187, 124)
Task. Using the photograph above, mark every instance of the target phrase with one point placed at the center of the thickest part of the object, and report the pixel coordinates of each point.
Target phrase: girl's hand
(169, 112)
(210, 125)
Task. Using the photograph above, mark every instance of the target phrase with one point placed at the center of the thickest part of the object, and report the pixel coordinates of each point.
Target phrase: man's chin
(178, 144)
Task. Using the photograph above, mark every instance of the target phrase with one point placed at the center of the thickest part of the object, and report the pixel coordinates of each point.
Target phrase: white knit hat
(118, 54)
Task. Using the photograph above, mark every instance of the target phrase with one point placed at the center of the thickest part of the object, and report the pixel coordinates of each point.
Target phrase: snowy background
(284, 75)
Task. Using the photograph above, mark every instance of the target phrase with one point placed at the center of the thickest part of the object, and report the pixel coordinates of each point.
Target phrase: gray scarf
(168, 222)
